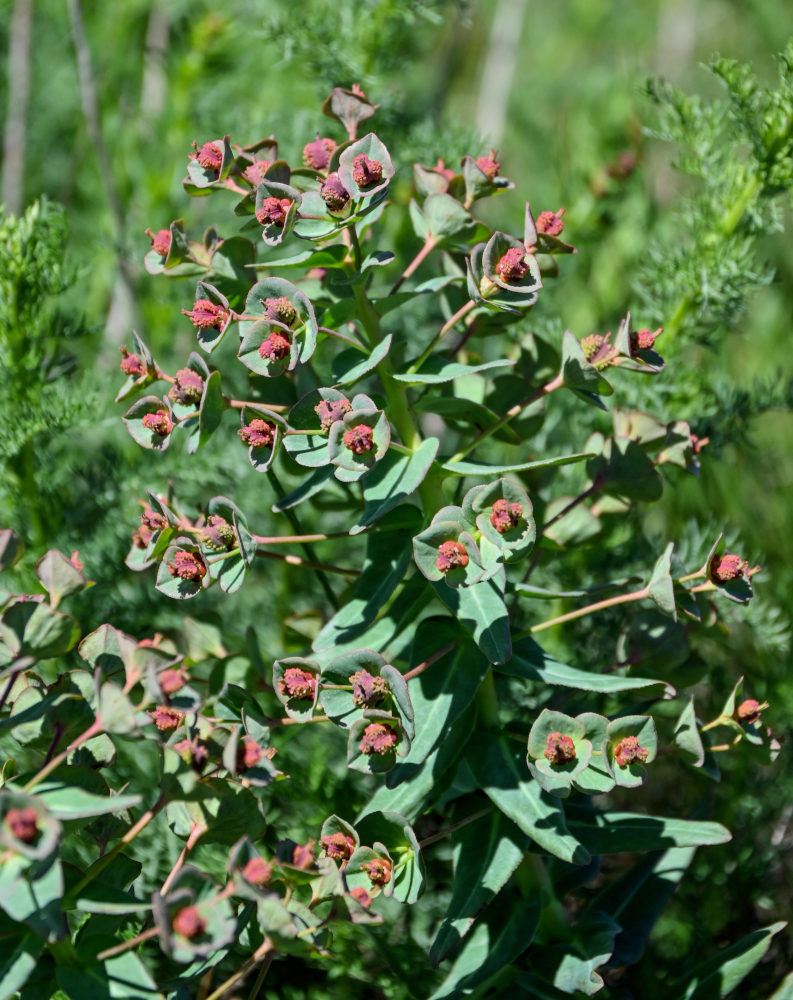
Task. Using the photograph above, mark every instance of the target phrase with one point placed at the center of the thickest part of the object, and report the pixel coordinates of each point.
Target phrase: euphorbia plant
(409, 425)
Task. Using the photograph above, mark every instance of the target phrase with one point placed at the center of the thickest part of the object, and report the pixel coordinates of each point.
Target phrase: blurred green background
(103, 128)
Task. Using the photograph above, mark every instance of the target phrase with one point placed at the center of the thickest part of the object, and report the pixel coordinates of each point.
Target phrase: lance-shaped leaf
(591, 947)
(481, 610)
(612, 832)
(350, 365)
(483, 469)
(392, 481)
(437, 370)
(687, 736)
(11, 548)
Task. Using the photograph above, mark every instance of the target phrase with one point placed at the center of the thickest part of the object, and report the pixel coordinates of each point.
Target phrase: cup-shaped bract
(365, 167)
(507, 263)
(596, 778)
(317, 411)
(150, 422)
(358, 442)
(262, 431)
(183, 571)
(558, 751)
(631, 742)
(502, 512)
(191, 921)
(296, 685)
(27, 827)
(361, 680)
(375, 741)
(288, 310)
(446, 551)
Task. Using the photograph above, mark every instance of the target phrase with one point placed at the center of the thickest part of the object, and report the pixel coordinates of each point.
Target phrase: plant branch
(429, 661)
(263, 951)
(634, 595)
(426, 250)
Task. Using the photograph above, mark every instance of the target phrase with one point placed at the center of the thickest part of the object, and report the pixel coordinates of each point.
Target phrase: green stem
(58, 759)
(609, 602)
(453, 321)
(428, 247)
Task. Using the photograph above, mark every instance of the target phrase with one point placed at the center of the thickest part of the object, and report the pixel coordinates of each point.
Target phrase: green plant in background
(428, 436)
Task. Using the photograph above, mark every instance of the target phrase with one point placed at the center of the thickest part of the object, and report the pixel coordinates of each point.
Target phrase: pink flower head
(281, 310)
(362, 896)
(23, 824)
(273, 212)
(365, 172)
(317, 154)
(258, 872)
(132, 364)
(158, 423)
(360, 439)
(189, 923)
(166, 718)
(378, 739)
(728, 567)
(331, 410)
(513, 266)
(152, 520)
(749, 711)
(298, 683)
(188, 387)
(303, 855)
(559, 749)
(629, 750)
(172, 681)
(206, 315)
(597, 348)
(441, 168)
(258, 433)
(451, 555)
(550, 223)
(209, 156)
(504, 515)
(254, 174)
(378, 870)
(218, 533)
(643, 340)
(489, 165)
(192, 753)
(367, 690)
(276, 347)
(187, 566)
(338, 846)
(74, 559)
(160, 241)
(249, 753)
(334, 193)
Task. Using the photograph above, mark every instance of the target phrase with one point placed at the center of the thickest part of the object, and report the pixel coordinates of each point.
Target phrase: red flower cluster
(559, 749)
(451, 555)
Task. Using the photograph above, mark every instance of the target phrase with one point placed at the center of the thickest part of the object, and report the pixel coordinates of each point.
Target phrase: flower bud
(728, 567)
(441, 168)
(209, 156)
(132, 364)
(317, 154)
(367, 690)
(188, 388)
(192, 753)
(362, 896)
(505, 516)
(160, 241)
(338, 846)
(550, 223)
(598, 349)
(166, 718)
(451, 555)
(280, 310)
(331, 410)
(359, 439)
(152, 520)
(378, 739)
(172, 681)
(643, 340)
(258, 872)
(365, 172)
(206, 315)
(489, 165)
(303, 855)
(189, 923)
(629, 750)
(249, 753)
(276, 347)
(254, 174)
(334, 193)
(749, 711)
(513, 266)
(258, 433)
(559, 749)
(187, 566)
(297, 683)
(23, 824)
(273, 212)
(378, 870)
(158, 423)
(218, 534)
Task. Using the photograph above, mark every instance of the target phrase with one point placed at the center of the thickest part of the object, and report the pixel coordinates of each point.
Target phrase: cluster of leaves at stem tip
(348, 397)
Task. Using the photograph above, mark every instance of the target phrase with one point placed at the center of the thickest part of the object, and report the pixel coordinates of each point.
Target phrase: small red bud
(192, 753)
(258, 433)
(360, 439)
(23, 824)
(643, 340)
(367, 690)
(378, 870)
(559, 749)
(504, 515)
(132, 364)
(303, 855)
(166, 718)
(258, 872)
(728, 567)
(597, 348)
(338, 846)
(249, 753)
(331, 410)
(362, 896)
(334, 193)
(550, 223)
(489, 165)
(172, 681)
(160, 241)
(749, 711)
(281, 310)
(205, 315)
(187, 566)
(365, 172)
(188, 387)
(276, 347)
(629, 750)
(218, 533)
(451, 555)
(441, 168)
(152, 520)
(513, 266)
(378, 739)
(209, 156)
(297, 683)
(317, 154)
(254, 174)
(158, 423)
(189, 923)
(273, 212)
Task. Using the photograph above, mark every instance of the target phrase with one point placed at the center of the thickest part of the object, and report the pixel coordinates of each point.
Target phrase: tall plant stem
(263, 951)
(609, 602)
(94, 729)
(425, 251)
